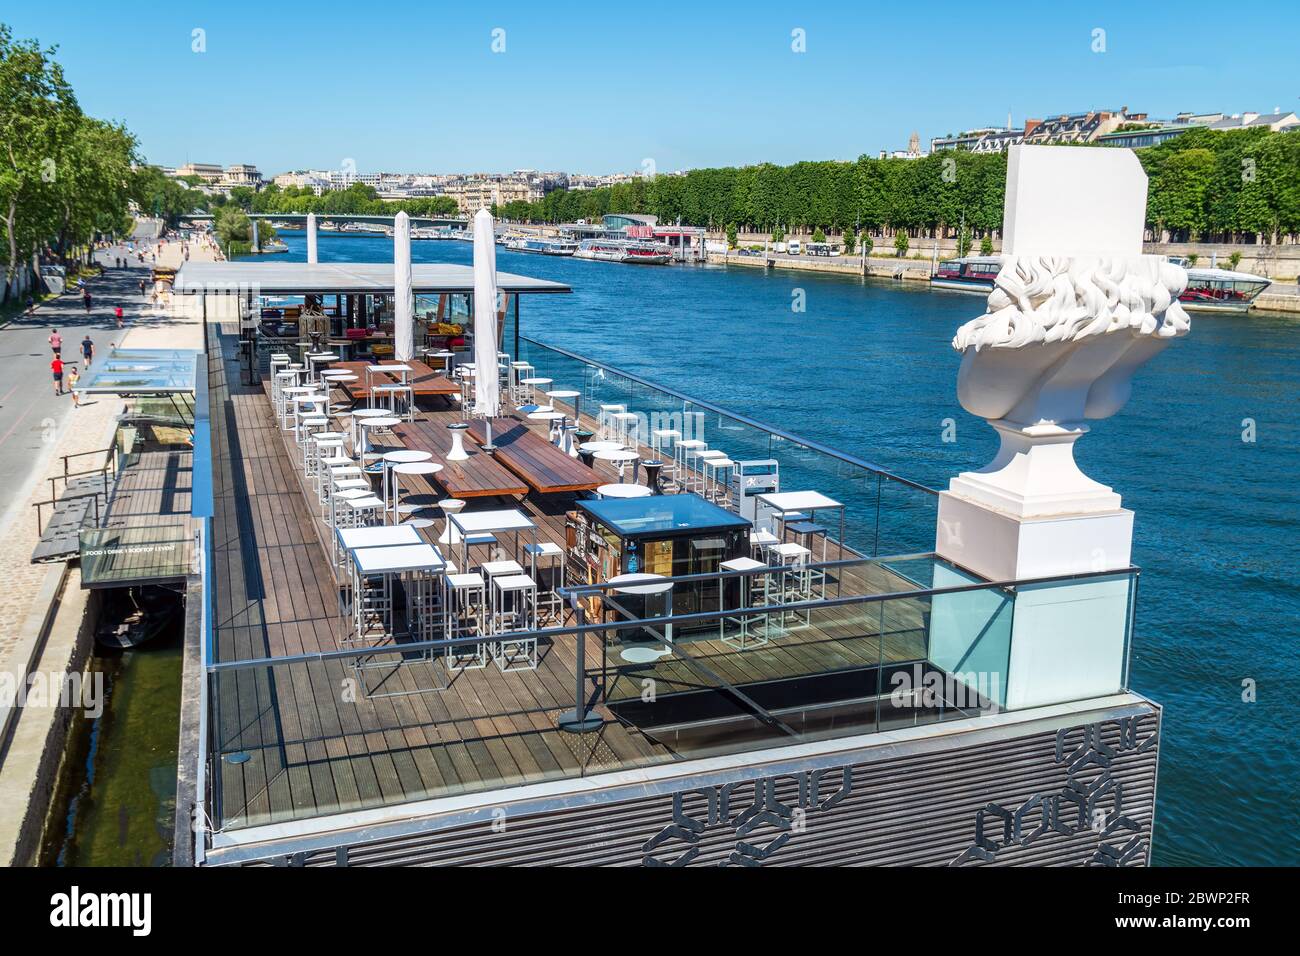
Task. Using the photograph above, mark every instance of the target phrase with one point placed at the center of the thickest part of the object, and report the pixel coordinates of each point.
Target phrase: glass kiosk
(669, 535)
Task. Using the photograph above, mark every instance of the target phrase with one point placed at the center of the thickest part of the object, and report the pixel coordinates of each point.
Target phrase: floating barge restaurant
(619, 625)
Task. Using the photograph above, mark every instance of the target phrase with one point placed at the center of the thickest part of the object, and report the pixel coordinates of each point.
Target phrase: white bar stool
(515, 601)
(743, 638)
(546, 564)
(465, 613)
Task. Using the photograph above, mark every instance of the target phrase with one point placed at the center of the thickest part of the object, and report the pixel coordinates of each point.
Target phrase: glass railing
(884, 513)
(781, 656)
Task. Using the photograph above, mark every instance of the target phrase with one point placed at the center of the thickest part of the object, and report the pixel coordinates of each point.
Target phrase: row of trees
(1204, 185)
(64, 176)
(879, 195)
(1235, 186)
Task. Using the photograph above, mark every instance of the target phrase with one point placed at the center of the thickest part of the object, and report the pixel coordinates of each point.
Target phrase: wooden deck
(305, 739)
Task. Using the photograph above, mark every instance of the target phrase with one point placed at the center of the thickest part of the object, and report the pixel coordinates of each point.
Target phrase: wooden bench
(545, 468)
(477, 477)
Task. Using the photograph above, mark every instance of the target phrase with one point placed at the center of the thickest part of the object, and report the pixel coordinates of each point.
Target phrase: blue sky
(603, 87)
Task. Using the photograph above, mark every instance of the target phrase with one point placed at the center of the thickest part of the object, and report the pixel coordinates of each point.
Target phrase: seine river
(1207, 453)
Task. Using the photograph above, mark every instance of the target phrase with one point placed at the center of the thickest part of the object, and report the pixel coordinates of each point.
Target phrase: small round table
(620, 458)
(569, 395)
(367, 425)
(623, 491)
(425, 468)
(402, 456)
(360, 414)
(587, 449)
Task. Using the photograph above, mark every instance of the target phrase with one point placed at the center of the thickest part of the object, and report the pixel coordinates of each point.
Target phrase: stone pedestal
(1030, 514)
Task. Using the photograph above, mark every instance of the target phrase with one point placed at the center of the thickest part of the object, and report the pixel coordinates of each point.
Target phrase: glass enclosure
(884, 513)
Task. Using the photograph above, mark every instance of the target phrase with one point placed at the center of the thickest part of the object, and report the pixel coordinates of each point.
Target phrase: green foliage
(233, 227)
(1234, 260)
(731, 235)
(986, 245)
(850, 241)
(1224, 186)
(818, 235)
(164, 196)
(901, 243)
(867, 245)
(778, 235)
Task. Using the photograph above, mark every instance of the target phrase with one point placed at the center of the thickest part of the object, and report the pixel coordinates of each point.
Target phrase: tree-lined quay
(1206, 186)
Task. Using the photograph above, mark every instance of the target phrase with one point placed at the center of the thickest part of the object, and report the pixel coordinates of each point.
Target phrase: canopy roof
(142, 372)
(330, 278)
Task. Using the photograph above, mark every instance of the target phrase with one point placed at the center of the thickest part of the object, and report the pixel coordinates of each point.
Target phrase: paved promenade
(37, 427)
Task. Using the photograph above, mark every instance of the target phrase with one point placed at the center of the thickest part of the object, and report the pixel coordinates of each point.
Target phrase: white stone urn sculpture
(1075, 312)
(1059, 345)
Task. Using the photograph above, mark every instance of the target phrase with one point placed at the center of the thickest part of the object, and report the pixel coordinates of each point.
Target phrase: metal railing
(883, 637)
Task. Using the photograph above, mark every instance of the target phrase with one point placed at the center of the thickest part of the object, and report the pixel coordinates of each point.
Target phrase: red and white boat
(624, 250)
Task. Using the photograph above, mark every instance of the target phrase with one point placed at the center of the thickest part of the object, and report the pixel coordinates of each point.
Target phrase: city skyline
(511, 89)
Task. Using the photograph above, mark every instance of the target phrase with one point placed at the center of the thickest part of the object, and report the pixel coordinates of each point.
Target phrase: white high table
(502, 521)
(784, 504)
(348, 540)
(419, 565)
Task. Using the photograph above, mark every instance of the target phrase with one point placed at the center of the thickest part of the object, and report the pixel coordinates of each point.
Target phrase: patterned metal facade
(1081, 792)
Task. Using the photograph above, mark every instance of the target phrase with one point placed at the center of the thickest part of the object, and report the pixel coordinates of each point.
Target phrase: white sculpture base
(1034, 475)
(1002, 547)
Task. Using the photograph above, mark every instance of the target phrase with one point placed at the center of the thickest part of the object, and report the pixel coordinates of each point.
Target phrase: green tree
(901, 243)
(986, 245)
(850, 240)
(38, 120)
(731, 235)
(818, 235)
(233, 229)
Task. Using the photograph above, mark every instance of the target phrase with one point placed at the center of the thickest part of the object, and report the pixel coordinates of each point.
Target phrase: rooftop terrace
(303, 722)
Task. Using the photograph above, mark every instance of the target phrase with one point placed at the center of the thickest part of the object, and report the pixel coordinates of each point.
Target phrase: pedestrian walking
(117, 314)
(73, 378)
(85, 300)
(56, 342)
(56, 367)
(88, 350)
(142, 285)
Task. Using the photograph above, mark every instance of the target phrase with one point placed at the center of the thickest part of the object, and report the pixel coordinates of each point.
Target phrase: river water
(1207, 453)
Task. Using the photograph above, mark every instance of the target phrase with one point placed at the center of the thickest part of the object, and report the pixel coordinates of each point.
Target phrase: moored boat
(544, 245)
(1219, 290)
(967, 274)
(624, 250)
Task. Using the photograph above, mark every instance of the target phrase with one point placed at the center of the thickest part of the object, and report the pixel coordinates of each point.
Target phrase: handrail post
(580, 720)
